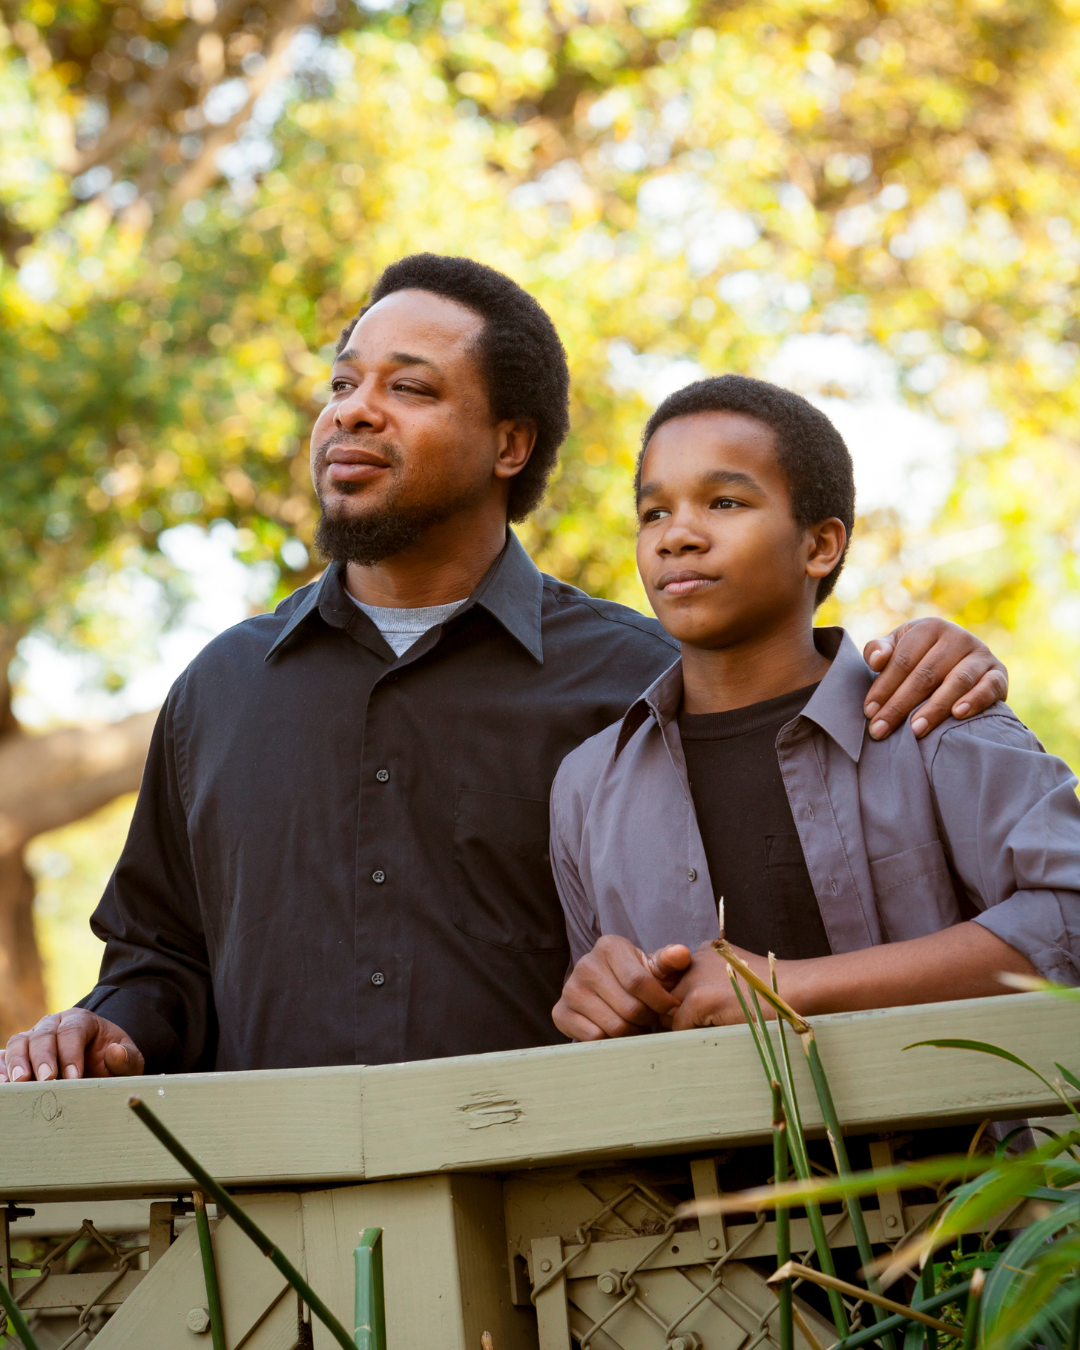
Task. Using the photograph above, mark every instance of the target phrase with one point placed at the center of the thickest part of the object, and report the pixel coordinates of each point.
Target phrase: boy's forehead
(701, 440)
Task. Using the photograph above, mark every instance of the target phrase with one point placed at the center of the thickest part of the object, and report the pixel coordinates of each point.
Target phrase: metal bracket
(714, 1240)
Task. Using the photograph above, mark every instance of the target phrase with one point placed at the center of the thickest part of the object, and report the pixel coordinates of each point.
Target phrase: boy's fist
(619, 990)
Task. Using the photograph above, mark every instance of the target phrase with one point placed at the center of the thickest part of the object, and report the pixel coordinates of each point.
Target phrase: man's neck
(445, 565)
(718, 679)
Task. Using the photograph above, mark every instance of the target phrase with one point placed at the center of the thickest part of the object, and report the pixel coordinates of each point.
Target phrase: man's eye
(337, 386)
(406, 388)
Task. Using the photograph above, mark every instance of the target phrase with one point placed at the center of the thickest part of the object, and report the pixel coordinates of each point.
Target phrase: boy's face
(719, 551)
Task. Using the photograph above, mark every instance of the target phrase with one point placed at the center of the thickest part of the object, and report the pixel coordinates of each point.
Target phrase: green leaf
(1070, 1078)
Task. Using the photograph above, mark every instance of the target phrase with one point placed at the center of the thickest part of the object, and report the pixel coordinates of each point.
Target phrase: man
(339, 852)
(912, 871)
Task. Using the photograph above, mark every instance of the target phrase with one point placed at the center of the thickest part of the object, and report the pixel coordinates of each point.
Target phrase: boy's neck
(720, 679)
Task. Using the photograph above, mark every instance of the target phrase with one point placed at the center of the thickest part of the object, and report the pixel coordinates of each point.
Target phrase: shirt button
(691, 874)
(378, 877)
(378, 978)
(383, 775)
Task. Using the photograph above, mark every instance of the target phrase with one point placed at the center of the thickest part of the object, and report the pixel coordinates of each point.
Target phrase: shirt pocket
(915, 892)
(504, 892)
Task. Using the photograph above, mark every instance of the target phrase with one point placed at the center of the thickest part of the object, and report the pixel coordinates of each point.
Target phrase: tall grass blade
(985, 1048)
(793, 1270)
(843, 1166)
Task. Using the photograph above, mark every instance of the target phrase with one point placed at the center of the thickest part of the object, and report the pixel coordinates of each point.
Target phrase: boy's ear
(828, 540)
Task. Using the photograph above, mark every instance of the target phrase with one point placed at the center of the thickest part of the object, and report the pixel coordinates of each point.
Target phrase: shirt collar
(512, 591)
(836, 705)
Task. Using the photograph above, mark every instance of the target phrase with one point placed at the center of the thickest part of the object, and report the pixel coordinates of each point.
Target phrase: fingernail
(16, 1074)
(872, 709)
(879, 729)
(45, 1073)
(961, 710)
(920, 726)
(71, 1071)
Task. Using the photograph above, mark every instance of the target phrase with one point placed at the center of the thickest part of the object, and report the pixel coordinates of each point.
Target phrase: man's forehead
(414, 320)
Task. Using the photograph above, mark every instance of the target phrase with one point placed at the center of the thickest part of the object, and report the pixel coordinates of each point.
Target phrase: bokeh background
(876, 202)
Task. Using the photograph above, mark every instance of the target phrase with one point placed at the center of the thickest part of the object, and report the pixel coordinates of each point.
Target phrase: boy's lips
(683, 583)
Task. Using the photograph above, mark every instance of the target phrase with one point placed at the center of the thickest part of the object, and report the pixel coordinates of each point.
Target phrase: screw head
(545, 1265)
(198, 1321)
(689, 1340)
(713, 1244)
(890, 1220)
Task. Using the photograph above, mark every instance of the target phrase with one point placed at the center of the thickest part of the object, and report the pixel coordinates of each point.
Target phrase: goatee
(374, 536)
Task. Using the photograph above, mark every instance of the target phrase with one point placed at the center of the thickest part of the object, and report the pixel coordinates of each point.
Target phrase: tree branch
(51, 780)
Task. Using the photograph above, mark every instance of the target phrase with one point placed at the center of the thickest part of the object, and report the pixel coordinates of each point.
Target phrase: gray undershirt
(402, 627)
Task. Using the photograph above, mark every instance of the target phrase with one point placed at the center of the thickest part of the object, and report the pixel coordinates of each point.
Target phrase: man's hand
(618, 990)
(71, 1044)
(930, 668)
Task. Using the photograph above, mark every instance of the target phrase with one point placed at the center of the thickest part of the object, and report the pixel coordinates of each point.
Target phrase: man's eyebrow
(398, 358)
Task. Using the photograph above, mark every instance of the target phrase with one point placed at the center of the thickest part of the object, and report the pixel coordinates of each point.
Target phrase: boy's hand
(706, 998)
(930, 668)
(618, 990)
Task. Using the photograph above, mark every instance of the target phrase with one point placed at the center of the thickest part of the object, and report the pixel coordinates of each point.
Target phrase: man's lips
(683, 583)
(352, 465)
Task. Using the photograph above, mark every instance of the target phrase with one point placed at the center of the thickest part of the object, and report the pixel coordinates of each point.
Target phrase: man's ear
(827, 543)
(516, 442)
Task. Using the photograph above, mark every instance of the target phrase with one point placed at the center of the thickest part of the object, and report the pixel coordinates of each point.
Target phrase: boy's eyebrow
(715, 478)
(732, 478)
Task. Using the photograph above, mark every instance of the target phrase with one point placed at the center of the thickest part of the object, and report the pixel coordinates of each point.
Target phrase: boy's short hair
(810, 450)
(519, 354)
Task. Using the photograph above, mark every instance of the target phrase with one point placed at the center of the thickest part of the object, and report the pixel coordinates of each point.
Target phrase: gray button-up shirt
(902, 837)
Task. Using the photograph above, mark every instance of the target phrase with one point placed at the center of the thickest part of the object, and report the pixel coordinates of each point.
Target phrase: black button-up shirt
(341, 856)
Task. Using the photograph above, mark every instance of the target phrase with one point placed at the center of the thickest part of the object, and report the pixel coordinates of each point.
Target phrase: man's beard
(386, 530)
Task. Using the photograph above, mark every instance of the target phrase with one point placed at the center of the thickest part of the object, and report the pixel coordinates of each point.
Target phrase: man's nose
(361, 408)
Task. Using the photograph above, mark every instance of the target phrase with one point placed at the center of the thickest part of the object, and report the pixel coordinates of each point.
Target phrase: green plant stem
(971, 1315)
(225, 1201)
(209, 1265)
(783, 1218)
(843, 1166)
(801, 1161)
(18, 1321)
(928, 1305)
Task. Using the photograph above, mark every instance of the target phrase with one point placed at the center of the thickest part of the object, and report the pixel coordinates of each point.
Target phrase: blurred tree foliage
(194, 197)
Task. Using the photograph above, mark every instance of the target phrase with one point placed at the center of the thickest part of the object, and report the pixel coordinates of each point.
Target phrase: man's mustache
(385, 449)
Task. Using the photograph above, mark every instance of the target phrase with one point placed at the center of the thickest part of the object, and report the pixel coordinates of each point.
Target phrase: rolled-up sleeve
(155, 973)
(582, 925)
(1011, 817)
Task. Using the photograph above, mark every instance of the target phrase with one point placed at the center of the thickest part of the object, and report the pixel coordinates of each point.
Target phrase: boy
(880, 873)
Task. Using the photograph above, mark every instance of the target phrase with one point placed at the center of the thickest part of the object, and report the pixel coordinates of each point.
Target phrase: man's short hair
(810, 450)
(520, 355)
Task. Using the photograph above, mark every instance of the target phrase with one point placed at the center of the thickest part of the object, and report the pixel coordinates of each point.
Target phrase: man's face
(719, 551)
(407, 439)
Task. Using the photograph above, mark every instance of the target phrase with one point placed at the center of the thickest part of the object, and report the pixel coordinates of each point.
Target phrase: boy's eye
(726, 503)
(654, 513)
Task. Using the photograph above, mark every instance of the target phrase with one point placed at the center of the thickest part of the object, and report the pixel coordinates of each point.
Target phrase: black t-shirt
(755, 859)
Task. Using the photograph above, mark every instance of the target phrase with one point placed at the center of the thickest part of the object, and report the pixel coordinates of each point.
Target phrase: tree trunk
(45, 782)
